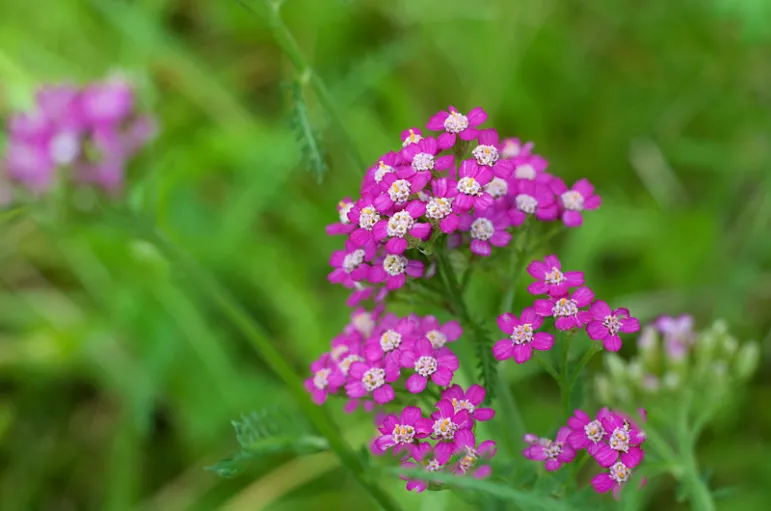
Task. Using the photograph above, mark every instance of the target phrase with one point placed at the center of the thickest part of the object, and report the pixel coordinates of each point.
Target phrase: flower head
(344, 226)
(404, 431)
(428, 362)
(393, 269)
(567, 309)
(486, 228)
(402, 223)
(607, 323)
(351, 265)
(390, 339)
(439, 335)
(469, 401)
(440, 207)
(523, 338)
(486, 154)
(327, 379)
(554, 452)
(575, 200)
(454, 123)
(470, 187)
(550, 279)
(532, 199)
(424, 458)
(372, 378)
(470, 454)
(446, 423)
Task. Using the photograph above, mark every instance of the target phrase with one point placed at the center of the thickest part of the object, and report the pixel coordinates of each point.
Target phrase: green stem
(260, 341)
(582, 363)
(291, 49)
(565, 386)
(548, 367)
(698, 492)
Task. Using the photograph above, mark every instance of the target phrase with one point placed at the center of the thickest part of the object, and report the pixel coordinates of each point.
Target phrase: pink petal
(476, 116)
(566, 323)
(408, 358)
(599, 310)
(633, 457)
(421, 231)
(604, 455)
(480, 248)
(468, 134)
(543, 307)
(476, 394)
(383, 394)
(464, 438)
(444, 162)
(410, 415)
(538, 270)
(602, 483)
(612, 343)
(572, 218)
(396, 246)
(436, 123)
(416, 383)
(537, 288)
(552, 465)
(500, 238)
(529, 316)
(415, 269)
(629, 325)
(445, 141)
(507, 322)
(449, 224)
(596, 330)
(452, 330)
(484, 414)
(583, 296)
(592, 202)
(355, 389)
(442, 376)
(503, 349)
(522, 353)
(542, 341)
(574, 278)
(584, 187)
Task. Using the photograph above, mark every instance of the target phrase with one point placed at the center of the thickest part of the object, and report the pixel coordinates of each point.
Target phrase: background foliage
(117, 385)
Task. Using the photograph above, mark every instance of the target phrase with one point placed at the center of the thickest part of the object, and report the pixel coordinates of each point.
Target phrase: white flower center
(390, 340)
(522, 334)
(554, 277)
(437, 338)
(394, 264)
(373, 379)
(620, 472)
(400, 224)
(468, 460)
(445, 429)
(64, 148)
(485, 154)
(619, 440)
(525, 171)
(344, 208)
(594, 431)
(382, 170)
(455, 122)
(572, 200)
(438, 208)
(469, 186)
(345, 364)
(399, 191)
(462, 404)
(363, 323)
(403, 434)
(565, 307)
(497, 187)
(353, 260)
(482, 229)
(423, 162)
(526, 203)
(338, 351)
(320, 379)
(368, 218)
(425, 366)
(433, 466)
(553, 450)
(612, 323)
(510, 149)
(412, 138)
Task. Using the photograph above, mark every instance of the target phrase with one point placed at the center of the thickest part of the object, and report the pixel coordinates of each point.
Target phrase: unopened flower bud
(747, 360)
(671, 380)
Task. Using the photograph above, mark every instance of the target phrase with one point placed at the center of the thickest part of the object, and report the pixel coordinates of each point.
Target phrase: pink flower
(344, 226)
(455, 123)
(439, 365)
(327, 379)
(523, 338)
(606, 324)
(387, 164)
(678, 335)
(439, 335)
(367, 378)
(399, 225)
(469, 401)
(566, 310)
(395, 192)
(403, 432)
(486, 154)
(390, 340)
(550, 279)
(554, 453)
(107, 102)
(421, 159)
(624, 437)
(351, 265)
(363, 214)
(446, 423)
(392, 270)
(618, 474)
(411, 136)
(575, 200)
(587, 433)
(440, 208)
(486, 228)
(513, 147)
(466, 448)
(471, 194)
(532, 199)
(531, 167)
(422, 455)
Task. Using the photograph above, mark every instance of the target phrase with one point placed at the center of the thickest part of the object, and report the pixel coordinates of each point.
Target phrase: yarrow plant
(446, 208)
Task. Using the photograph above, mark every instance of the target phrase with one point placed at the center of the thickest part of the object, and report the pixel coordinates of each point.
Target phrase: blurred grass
(117, 387)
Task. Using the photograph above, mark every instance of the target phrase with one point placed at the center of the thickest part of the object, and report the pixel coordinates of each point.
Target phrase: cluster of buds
(672, 355)
(81, 134)
(571, 310)
(612, 439)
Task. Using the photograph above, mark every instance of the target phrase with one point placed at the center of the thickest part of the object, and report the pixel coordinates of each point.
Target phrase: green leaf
(304, 132)
(265, 433)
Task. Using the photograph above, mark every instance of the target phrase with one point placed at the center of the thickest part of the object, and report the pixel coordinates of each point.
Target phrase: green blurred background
(117, 382)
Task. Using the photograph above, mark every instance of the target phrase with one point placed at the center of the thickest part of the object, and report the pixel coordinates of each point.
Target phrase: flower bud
(616, 367)
(671, 380)
(729, 345)
(747, 359)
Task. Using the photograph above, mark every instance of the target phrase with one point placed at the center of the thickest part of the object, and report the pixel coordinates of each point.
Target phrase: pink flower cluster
(379, 350)
(611, 438)
(570, 310)
(420, 190)
(90, 132)
(447, 434)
